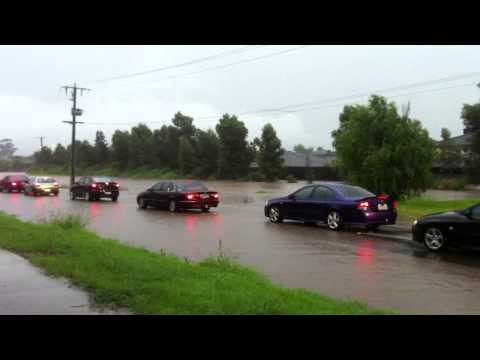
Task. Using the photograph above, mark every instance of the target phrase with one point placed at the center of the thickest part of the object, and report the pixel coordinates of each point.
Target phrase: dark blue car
(335, 204)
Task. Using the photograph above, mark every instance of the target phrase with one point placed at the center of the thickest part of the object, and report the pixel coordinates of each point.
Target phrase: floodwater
(385, 273)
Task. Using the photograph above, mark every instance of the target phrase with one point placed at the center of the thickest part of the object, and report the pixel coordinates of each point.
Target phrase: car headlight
(415, 222)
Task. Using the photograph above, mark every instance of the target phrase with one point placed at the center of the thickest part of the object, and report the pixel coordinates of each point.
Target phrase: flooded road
(398, 275)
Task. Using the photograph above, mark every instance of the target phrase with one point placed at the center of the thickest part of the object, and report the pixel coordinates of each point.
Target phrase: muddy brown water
(393, 274)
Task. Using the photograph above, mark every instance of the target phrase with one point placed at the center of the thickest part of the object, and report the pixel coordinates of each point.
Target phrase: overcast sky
(32, 105)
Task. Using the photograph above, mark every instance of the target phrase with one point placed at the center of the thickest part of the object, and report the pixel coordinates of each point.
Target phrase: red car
(12, 183)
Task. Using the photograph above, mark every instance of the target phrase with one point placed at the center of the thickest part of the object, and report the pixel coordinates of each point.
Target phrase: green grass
(262, 192)
(417, 207)
(121, 276)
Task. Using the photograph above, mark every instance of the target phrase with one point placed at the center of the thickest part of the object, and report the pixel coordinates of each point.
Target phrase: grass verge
(121, 276)
(414, 208)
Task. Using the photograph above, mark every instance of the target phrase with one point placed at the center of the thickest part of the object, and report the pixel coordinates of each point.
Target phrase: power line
(41, 141)
(297, 110)
(188, 63)
(222, 66)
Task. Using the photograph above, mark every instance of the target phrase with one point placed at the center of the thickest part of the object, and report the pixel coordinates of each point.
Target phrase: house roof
(320, 158)
(461, 140)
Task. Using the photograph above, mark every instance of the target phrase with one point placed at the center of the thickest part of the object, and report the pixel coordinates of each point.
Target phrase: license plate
(382, 207)
(107, 192)
(204, 196)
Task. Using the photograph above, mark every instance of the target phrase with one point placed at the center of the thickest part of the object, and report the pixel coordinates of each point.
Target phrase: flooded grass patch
(414, 208)
(157, 283)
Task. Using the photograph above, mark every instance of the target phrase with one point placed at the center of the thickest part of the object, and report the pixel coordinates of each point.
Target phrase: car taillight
(190, 196)
(94, 185)
(395, 204)
(14, 184)
(363, 205)
(215, 196)
(382, 197)
(117, 185)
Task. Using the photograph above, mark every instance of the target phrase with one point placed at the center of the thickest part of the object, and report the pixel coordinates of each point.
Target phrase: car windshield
(45, 180)
(18, 178)
(191, 186)
(103, 179)
(354, 191)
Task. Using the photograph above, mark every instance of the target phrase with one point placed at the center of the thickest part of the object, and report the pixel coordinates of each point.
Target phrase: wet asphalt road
(386, 273)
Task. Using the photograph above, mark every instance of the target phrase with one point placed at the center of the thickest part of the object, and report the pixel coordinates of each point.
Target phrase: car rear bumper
(380, 218)
(197, 204)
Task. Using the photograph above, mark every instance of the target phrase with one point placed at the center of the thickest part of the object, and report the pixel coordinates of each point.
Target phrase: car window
(350, 191)
(157, 186)
(169, 187)
(45, 180)
(191, 186)
(103, 179)
(476, 212)
(322, 193)
(303, 193)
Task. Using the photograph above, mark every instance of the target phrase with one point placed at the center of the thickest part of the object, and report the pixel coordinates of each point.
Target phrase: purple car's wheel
(334, 220)
(274, 215)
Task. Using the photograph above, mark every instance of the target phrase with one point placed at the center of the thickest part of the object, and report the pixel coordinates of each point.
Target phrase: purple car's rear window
(350, 191)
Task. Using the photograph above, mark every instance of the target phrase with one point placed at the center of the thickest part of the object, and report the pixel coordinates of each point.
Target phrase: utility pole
(41, 141)
(75, 112)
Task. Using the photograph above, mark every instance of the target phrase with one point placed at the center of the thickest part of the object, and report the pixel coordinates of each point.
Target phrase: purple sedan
(334, 204)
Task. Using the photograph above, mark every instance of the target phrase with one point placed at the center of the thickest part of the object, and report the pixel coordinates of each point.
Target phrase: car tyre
(90, 197)
(205, 210)
(141, 204)
(334, 220)
(434, 239)
(172, 206)
(275, 215)
(72, 195)
(114, 198)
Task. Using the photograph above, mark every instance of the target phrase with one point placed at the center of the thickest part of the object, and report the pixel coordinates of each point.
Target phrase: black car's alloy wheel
(274, 214)
(334, 220)
(434, 239)
(172, 206)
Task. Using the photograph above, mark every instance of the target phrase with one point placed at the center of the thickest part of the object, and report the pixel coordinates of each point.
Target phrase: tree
(383, 151)
(121, 148)
(186, 156)
(7, 149)
(300, 148)
(101, 148)
(206, 145)
(141, 146)
(165, 146)
(43, 157)
(184, 124)
(60, 156)
(269, 157)
(449, 154)
(235, 156)
(471, 121)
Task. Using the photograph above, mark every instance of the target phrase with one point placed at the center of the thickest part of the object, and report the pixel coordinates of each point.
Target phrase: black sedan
(94, 188)
(13, 183)
(180, 194)
(438, 231)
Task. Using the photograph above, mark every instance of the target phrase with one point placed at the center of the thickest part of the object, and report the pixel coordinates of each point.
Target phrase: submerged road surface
(392, 274)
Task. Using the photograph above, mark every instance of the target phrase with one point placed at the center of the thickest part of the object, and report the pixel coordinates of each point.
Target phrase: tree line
(223, 153)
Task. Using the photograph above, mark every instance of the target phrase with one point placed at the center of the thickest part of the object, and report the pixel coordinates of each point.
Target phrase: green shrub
(257, 176)
(291, 179)
(451, 184)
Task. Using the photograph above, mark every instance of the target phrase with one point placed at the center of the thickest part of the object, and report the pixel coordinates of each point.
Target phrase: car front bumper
(107, 194)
